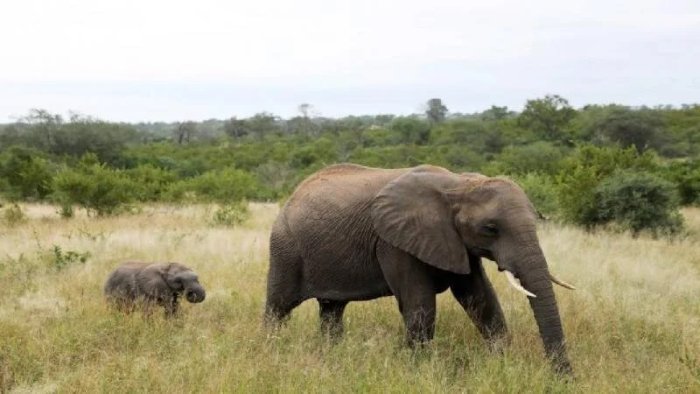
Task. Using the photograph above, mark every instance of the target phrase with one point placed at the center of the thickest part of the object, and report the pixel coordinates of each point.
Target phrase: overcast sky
(175, 60)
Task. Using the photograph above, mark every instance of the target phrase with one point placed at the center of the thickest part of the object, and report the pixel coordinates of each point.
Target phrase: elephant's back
(122, 278)
(339, 186)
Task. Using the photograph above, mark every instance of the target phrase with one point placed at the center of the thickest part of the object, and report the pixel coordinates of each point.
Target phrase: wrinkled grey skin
(151, 284)
(351, 233)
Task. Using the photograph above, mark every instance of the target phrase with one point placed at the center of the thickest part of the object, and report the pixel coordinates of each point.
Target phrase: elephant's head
(182, 280)
(441, 217)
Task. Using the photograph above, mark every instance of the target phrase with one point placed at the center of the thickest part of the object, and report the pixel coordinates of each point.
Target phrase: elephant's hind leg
(284, 280)
(331, 314)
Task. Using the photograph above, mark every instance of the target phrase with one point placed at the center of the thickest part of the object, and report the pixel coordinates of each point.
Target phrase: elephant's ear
(413, 214)
(153, 279)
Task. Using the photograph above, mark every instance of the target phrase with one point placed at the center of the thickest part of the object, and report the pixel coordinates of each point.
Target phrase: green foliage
(581, 173)
(61, 259)
(221, 186)
(79, 135)
(151, 182)
(637, 201)
(548, 117)
(392, 156)
(541, 189)
(94, 186)
(321, 151)
(66, 210)
(231, 214)
(27, 175)
(626, 127)
(258, 126)
(436, 111)
(485, 137)
(264, 157)
(539, 157)
(686, 176)
(682, 126)
(13, 214)
(410, 130)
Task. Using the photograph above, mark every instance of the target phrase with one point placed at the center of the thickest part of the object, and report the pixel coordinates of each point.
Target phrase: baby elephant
(152, 284)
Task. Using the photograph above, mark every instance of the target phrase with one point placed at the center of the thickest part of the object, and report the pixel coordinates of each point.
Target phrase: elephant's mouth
(194, 297)
(481, 252)
(514, 280)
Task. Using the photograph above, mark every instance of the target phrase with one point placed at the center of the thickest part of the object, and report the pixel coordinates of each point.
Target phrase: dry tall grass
(633, 325)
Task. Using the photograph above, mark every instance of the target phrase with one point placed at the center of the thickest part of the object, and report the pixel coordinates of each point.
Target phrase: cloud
(126, 60)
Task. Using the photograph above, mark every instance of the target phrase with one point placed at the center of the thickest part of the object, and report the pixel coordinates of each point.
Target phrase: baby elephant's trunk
(195, 294)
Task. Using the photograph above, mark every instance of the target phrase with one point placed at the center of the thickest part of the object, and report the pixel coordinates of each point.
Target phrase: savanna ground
(633, 325)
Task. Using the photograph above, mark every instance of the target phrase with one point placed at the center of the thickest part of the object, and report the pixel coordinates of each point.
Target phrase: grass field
(633, 325)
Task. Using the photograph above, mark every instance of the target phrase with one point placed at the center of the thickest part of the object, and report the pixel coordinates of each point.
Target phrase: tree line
(599, 165)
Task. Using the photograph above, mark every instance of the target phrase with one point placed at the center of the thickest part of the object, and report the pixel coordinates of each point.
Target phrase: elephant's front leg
(411, 282)
(170, 303)
(475, 293)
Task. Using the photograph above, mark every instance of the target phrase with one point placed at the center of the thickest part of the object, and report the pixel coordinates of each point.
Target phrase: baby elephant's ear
(413, 213)
(153, 279)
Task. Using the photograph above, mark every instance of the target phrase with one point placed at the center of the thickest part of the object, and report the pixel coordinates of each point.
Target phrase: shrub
(151, 182)
(94, 187)
(222, 186)
(231, 214)
(584, 170)
(541, 156)
(542, 191)
(686, 176)
(61, 259)
(27, 175)
(13, 215)
(638, 201)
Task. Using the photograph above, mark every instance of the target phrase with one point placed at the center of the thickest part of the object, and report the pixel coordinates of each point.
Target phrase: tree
(496, 113)
(547, 117)
(26, 173)
(436, 111)
(236, 128)
(42, 128)
(638, 128)
(307, 110)
(263, 123)
(303, 124)
(411, 130)
(184, 131)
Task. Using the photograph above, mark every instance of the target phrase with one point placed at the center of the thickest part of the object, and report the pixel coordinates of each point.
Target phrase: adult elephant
(352, 233)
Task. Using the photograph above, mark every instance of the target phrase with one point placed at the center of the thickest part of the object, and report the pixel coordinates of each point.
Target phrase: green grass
(633, 325)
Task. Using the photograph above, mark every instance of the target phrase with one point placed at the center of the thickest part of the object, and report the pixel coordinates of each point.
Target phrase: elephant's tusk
(561, 282)
(513, 282)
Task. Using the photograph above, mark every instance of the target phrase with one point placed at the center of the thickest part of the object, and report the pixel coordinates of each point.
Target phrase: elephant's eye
(490, 230)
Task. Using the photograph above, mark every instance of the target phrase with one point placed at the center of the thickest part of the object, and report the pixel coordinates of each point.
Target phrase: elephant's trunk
(535, 277)
(195, 293)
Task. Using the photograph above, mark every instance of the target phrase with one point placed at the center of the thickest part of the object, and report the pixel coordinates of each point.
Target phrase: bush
(542, 191)
(62, 259)
(231, 214)
(25, 174)
(151, 182)
(13, 215)
(223, 186)
(638, 201)
(541, 156)
(686, 176)
(94, 187)
(582, 173)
